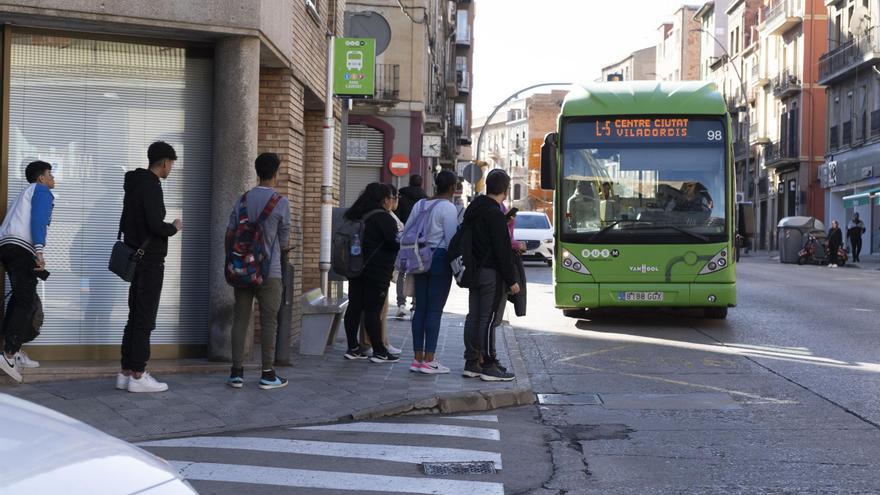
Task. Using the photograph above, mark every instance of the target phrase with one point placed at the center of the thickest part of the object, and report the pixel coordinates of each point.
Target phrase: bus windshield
(643, 180)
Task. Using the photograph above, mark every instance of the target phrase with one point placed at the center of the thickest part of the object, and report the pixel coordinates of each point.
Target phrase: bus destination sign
(644, 131)
(642, 128)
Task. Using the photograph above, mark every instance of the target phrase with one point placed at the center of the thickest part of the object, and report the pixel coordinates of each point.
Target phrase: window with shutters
(91, 108)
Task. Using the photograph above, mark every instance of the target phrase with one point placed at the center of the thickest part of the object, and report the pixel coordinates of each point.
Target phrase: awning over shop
(862, 199)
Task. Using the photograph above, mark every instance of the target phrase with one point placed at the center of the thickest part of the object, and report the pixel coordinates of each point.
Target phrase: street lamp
(747, 122)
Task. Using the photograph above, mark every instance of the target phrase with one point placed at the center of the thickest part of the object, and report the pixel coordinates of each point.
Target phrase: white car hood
(532, 234)
(44, 451)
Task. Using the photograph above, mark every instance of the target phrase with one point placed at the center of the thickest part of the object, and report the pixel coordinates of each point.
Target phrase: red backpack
(247, 260)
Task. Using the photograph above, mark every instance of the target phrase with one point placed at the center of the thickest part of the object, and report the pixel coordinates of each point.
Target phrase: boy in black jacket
(491, 244)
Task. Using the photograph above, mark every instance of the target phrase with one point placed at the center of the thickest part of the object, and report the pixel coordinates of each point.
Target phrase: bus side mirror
(549, 163)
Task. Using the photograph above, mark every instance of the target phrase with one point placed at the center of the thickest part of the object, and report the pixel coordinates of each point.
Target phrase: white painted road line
(410, 429)
(394, 453)
(489, 418)
(302, 478)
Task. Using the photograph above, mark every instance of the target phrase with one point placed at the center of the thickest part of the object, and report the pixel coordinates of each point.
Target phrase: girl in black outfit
(368, 291)
(835, 240)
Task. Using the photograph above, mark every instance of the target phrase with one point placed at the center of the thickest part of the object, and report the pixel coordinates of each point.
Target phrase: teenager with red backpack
(258, 231)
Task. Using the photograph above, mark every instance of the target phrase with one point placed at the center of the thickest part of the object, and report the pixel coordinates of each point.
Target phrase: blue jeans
(432, 290)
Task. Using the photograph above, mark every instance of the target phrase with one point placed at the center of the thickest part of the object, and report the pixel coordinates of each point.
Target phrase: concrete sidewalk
(322, 389)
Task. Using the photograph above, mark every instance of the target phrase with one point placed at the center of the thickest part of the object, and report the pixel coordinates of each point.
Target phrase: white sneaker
(122, 381)
(146, 383)
(434, 368)
(8, 365)
(25, 361)
(393, 350)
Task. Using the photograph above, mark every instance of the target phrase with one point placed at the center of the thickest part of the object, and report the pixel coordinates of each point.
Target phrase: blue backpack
(415, 256)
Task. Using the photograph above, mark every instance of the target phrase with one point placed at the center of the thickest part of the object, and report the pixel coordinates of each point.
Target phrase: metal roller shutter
(364, 169)
(91, 108)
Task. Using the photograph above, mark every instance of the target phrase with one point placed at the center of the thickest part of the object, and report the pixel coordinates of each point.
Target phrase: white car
(533, 228)
(45, 451)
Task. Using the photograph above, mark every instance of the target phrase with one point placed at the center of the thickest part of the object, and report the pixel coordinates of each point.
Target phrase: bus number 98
(714, 135)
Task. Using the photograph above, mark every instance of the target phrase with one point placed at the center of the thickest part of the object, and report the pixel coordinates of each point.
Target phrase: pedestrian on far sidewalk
(143, 227)
(265, 211)
(835, 241)
(365, 339)
(854, 232)
(432, 288)
(408, 197)
(22, 239)
(492, 246)
(368, 290)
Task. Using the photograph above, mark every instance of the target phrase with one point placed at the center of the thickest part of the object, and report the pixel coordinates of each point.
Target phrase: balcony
(780, 154)
(781, 16)
(387, 83)
(463, 82)
(786, 84)
(463, 37)
(850, 56)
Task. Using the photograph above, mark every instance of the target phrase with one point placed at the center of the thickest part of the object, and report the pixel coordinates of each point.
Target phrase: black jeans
(856, 242)
(366, 298)
(484, 302)
(143, 306)
(18, 323)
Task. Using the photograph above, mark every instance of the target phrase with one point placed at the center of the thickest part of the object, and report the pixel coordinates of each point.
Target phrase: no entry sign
(399, 165)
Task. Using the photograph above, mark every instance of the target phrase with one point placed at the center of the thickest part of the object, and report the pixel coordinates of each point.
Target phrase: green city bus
(643, 182)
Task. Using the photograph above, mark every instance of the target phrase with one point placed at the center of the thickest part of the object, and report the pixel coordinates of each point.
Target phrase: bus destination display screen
(644, 130)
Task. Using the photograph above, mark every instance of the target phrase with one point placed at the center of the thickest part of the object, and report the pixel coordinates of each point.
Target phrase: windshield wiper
(699, 237)
(608, 228)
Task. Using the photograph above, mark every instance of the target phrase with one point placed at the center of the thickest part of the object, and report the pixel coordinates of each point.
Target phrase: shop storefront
(852, 185)
(90, 106)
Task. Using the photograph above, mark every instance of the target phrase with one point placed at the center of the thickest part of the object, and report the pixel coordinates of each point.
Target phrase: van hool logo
(644, 269)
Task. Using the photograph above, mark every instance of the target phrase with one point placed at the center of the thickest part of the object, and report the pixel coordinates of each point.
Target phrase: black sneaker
(472, 369)
(384, 358)
(236, 378)
(497, 364)
(270, 380)
(355, 354)
(491, 373)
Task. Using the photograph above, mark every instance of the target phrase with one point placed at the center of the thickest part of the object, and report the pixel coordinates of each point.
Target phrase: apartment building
(89, 85)
(848, 69)
(792, 110)
(640, 65)
(712, 18)
(678, 47)
(423, 82)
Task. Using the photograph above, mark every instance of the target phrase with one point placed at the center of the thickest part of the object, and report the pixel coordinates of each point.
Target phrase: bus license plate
(640, 296)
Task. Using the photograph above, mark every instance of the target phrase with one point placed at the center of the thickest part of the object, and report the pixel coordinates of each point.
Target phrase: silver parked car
(45, 451)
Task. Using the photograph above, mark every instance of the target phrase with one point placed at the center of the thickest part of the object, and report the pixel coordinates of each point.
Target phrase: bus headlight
(572, 264)
(717, 263)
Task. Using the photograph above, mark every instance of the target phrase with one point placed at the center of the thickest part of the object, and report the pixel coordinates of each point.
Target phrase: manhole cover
(569, 399)
(458, 468)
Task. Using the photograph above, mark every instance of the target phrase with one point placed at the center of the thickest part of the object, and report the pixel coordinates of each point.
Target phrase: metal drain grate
(458, 468)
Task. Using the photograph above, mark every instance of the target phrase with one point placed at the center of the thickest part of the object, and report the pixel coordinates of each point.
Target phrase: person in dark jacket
(854, 232)
(368, 291)
(492, 247)
(835, 240)
(407, 198)
(143, 227)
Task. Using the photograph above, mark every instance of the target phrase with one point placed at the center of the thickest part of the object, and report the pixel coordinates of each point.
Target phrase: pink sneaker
(416, 366)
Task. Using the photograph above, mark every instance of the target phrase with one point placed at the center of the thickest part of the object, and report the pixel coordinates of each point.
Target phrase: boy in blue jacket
(22, 239)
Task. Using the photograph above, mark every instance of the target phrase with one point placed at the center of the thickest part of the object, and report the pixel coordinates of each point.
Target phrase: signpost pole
(327, 183)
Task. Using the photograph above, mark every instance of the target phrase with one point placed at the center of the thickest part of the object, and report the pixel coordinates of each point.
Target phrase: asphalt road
(780, 397)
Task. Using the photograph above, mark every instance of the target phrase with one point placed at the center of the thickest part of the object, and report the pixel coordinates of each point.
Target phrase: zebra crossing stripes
(410, 429)
(332, 480)
(394, 453)
(341, 458)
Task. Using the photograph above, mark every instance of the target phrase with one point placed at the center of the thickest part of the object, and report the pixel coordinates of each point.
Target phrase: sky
(518, 43)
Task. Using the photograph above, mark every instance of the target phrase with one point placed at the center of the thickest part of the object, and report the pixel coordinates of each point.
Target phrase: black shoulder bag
(124, 258)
